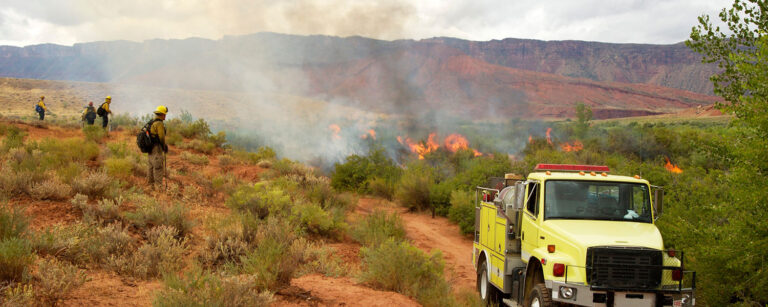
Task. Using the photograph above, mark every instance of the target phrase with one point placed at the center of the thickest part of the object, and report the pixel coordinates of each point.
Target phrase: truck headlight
(567, 293)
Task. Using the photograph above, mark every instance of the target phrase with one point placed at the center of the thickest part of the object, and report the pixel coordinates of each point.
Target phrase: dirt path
(429, 234)
(318, 290)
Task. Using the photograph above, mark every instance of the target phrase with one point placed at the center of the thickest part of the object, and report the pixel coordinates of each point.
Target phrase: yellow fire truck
(575, 235)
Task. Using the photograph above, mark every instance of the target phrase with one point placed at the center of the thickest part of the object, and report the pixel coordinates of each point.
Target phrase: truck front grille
(624, 267)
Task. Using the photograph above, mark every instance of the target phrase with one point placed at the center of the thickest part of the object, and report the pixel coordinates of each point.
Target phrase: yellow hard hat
(42, 97)
(109, 97)
(161, 110)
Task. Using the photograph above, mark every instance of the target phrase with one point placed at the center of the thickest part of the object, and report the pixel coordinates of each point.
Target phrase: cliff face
(673, 66)
(518, 78)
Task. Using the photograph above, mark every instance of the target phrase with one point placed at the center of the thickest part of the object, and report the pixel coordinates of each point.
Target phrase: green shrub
(150, 214)
(15, 257)
(201, 289)
(202, 146)
(462, 211)
(70, 172)
(14, 138)
(194, 159)
(440, 197)
(260, 200)
(357, 171)
(59, 152)
(381, 187)
(118, 150)
(13, 223)
(94, 133)
(119, 167)
(413, 189)
(272, 261)
(56, 279)
(403, 268)
(313, 219)
(173, 138)
(378, 227)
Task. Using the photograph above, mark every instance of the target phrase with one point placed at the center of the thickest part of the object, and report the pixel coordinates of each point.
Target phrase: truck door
(486, 238)
(529, 227)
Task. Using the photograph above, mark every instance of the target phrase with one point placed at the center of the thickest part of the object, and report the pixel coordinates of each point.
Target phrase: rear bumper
(585, 296)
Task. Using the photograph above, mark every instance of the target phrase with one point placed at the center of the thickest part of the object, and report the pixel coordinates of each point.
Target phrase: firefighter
(159, 149)
(89, 114)
(40, 108)
(105, 112)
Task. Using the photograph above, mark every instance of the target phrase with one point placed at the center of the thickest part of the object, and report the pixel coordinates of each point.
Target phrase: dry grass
(93, 184)
(56, 279)
(51, 189)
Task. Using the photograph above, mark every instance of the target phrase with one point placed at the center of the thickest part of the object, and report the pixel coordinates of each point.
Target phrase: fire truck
(575, 235)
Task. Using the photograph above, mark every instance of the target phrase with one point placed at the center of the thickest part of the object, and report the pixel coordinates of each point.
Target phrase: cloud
(623, 21)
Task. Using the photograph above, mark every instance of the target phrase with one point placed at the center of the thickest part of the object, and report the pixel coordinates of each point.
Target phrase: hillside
(509, 78)
(91, 189)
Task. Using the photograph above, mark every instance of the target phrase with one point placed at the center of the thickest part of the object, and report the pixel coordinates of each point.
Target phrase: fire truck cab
(575, 235)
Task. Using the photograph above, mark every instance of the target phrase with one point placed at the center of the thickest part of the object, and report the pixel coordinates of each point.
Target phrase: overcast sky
(28, 22)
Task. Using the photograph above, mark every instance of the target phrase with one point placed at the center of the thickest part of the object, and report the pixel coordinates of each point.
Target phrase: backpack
(101, 111)
(144, 139)
(38, 109)
(90, 114)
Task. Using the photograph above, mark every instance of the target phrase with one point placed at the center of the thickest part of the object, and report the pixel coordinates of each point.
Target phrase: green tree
(737, 259)
(583, 117)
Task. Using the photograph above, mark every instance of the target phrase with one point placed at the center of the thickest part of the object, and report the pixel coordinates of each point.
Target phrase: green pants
(155, 173)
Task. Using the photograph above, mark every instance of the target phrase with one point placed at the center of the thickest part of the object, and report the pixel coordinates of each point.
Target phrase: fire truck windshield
(597, 200)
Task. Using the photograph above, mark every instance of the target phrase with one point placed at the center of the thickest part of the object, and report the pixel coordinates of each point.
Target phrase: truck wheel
(540, 296)
(484, 286)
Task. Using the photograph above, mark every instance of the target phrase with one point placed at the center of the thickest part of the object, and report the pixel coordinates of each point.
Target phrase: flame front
(455, 142)
(672, 168)
(423, 148)
(530, 139)
(575, 146)
(452, 143)
(335, 129)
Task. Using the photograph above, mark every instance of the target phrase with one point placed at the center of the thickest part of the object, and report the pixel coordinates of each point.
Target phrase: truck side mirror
(519, 195)
(658, 199)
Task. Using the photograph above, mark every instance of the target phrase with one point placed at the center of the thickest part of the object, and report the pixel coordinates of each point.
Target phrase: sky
(66, 22)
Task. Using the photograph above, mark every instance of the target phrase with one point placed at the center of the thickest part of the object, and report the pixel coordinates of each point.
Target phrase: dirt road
(429, 234)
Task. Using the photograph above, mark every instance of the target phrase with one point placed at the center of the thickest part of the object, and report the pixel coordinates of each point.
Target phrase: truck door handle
(522, 235)
(489, 227)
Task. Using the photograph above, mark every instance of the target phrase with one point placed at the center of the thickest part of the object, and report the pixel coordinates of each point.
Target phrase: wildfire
(574, 146)
(372, 134)
(335, 129)
(530, 139)
(672, 167)
(455, 142)
(549, 137)
(452, 143)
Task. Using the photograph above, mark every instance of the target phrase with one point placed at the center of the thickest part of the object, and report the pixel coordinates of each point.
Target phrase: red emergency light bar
(572, 168)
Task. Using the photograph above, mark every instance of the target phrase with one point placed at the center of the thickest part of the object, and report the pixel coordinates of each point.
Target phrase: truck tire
(488, 292)
(540, 296)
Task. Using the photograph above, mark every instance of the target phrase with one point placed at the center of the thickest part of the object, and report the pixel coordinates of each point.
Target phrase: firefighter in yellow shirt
(157, 155)
(40, 108)
(89, 114)
(104, 112)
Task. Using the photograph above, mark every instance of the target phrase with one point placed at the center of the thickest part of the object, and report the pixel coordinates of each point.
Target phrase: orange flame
(530, 139)
(672, 167)
(335, 129)
(549, 137)
(456, 141)
(400, 140)
(423, 148)
(575, 146)
(370, 133)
